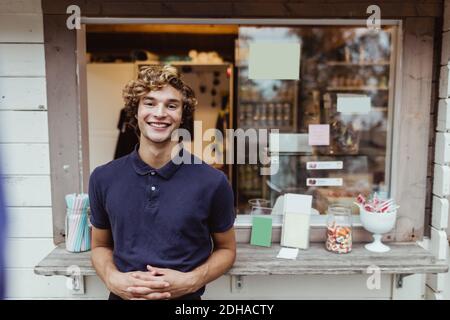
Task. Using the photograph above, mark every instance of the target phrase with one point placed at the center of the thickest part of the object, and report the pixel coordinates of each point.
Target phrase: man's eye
(173, 106)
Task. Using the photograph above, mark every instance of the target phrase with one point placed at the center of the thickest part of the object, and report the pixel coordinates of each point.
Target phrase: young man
(153, 218)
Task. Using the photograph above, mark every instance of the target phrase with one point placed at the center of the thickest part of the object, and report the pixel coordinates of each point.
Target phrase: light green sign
(274, 60)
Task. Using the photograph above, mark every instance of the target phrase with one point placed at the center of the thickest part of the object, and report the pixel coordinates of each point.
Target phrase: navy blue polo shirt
(161, 217)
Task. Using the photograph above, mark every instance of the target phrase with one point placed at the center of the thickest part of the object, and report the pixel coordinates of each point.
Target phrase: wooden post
(412, 120)
(63, 116)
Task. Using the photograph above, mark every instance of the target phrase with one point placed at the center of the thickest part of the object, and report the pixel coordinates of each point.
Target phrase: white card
(324, 182)
(262, 63)
(288, 253)
(353, 103)
(295, 231)
(324, 165)
(289, 142)
(297, 203)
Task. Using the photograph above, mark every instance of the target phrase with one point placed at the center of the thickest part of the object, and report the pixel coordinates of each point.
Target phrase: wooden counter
(404, 258)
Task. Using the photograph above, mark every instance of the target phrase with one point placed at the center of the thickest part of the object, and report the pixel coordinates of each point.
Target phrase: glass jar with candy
(339, 229)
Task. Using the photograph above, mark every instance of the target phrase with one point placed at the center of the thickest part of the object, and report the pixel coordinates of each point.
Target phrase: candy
(375, 199)
(339, 239)
(376, 205)
(360, 199)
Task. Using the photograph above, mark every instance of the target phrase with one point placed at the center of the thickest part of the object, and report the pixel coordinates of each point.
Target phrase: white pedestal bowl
(378, 224)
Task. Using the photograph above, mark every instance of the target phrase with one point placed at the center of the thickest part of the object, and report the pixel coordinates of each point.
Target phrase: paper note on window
(324, 182)
(274, 60)
(289, 142)
(324, 165)
(353, 103)
(319, 135)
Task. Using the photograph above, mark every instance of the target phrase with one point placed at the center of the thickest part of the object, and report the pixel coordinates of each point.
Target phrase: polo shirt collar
(142, 168)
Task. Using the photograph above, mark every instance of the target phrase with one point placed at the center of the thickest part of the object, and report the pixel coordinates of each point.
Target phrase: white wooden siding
(23, 127)
(444, 87)
(27, 222)
(21, 28)
(23, 94)
(20, 6)
(25, 151)
(439, 243)
(20, 159)
(22, 59)
(27, 191)
(19, 254)
(28, 285)
(438, 285)
(445, 56)
(300, 287)
(22, 283)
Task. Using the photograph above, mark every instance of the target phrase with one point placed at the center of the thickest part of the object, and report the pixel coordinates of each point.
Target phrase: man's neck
(156, 155)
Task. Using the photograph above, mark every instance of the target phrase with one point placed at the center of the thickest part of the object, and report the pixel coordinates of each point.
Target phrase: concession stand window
(351, 81)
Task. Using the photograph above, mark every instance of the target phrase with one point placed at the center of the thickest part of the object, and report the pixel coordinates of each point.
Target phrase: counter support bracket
(75, 280)
(399, 279)
(237, 283)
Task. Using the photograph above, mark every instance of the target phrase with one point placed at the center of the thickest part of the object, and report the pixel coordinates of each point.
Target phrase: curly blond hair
(154, 78)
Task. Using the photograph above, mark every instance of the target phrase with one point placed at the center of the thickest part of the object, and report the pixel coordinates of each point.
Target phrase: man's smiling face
(160, 113)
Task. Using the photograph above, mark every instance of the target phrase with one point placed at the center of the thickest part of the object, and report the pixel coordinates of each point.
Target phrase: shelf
(288, 129)
(404, 258)
(379, 109)
(359, 88)
(251, 193)
(355, 64)
(363, 151)
(259, 101)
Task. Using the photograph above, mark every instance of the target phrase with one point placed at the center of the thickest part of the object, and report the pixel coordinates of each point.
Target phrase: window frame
(76, 147)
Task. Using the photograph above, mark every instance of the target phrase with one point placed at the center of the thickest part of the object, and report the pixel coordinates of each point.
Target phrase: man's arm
(102, 253)
(182, 283)
(220, 261)
(116, 281)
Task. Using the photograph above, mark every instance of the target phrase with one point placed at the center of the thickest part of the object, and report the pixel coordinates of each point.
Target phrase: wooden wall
(24, 143)
(24, 149)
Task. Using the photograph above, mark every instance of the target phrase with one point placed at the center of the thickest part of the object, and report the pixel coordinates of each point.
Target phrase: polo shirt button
(152, 173)
(153, 188)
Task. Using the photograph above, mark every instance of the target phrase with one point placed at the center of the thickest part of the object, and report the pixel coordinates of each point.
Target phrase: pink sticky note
(319, 135)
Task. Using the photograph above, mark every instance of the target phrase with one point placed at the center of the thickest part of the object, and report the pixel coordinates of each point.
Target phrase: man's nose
(160, 110)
